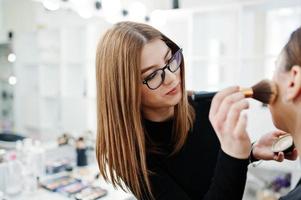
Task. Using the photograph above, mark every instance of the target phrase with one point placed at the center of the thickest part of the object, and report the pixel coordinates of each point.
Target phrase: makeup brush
(264, 91)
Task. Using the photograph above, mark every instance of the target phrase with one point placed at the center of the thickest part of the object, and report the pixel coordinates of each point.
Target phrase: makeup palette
(58, 182)
(283, 144)
(91, 193)
(72, 188)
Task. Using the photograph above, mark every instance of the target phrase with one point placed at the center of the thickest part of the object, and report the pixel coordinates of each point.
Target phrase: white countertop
(41, 193)
(84, 173)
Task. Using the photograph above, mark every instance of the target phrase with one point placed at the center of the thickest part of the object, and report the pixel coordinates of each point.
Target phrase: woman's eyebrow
(152, 66)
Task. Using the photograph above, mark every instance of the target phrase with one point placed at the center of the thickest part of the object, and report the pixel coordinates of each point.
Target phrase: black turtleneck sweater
(201, 170)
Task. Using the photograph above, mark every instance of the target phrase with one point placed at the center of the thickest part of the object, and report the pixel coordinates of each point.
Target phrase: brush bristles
(265, 91)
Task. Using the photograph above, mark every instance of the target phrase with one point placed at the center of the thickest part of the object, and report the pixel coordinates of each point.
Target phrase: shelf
(51, 98)
(230, 58)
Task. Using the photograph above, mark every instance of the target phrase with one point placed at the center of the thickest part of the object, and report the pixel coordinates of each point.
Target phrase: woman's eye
(152, 75)
(169, 60)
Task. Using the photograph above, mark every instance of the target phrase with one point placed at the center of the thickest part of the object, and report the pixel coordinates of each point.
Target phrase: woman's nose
(169, 77)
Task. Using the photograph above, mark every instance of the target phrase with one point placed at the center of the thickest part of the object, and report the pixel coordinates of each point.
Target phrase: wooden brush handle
(248, 92)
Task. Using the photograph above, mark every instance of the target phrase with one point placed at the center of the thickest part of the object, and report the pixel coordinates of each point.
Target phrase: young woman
(152, 138)
(286, 110)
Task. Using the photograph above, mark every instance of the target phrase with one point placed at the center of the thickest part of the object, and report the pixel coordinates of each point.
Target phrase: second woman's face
(155, 55)
(280, 109)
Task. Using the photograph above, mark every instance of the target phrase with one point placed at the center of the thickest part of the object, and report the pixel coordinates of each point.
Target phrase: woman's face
(155, 55)
(277, 108)
(281, 109)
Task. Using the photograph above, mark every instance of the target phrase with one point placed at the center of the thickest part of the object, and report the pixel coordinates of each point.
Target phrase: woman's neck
(296, 132)
(159, 114)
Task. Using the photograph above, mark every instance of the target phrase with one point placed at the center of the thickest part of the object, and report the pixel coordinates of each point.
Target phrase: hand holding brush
(264, 91)
(228, 122)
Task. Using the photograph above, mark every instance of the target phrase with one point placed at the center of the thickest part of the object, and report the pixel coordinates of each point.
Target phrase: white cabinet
(209, 38)
(233, 43)
(56, 90)
(6, 89)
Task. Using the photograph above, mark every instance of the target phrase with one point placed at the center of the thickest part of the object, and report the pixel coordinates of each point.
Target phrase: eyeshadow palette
(72, 188)
(58, 182)
(91, 193)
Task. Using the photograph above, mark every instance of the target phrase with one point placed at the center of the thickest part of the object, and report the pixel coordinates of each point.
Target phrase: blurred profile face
(155, 55)
(281, 109)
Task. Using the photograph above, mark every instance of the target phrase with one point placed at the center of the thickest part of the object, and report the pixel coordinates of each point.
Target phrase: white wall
(2, 35)
(200, 3)
(55, 69)
(18, 15)
(150, 5)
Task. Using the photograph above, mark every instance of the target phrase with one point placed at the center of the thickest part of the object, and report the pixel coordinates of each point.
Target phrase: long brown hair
(292, 50)
(121, 141)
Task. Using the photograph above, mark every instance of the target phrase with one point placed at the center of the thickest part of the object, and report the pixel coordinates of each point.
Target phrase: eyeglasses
(155, 79)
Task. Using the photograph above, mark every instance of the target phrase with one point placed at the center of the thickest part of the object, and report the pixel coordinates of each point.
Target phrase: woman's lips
(173, 90)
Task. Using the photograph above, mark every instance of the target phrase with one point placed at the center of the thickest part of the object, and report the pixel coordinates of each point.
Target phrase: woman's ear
(294, 84)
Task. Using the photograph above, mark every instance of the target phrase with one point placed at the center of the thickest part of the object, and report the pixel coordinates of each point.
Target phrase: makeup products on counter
(59, 165)
(91, 193)
(81, 152)
(73, 187)
(55, 184)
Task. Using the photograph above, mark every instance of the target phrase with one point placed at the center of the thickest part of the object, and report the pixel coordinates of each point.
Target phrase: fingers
(279, 157)
(235, 114)
(278, 133)
(240, 129)
(219, 97)
(228, 123)
(290, 156)
(228, 103)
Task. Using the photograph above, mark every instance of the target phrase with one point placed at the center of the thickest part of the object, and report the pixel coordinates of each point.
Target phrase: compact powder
(284, 144)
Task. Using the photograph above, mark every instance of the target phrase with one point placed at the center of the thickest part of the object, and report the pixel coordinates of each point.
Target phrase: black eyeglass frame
(167, 66)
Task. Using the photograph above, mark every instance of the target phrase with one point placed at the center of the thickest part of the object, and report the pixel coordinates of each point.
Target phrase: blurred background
(47, 79)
